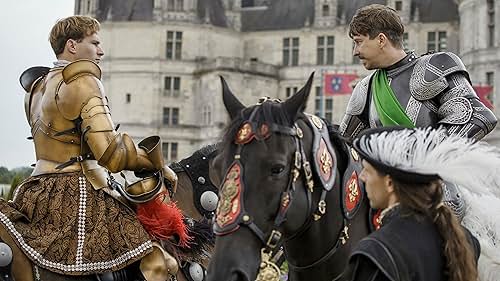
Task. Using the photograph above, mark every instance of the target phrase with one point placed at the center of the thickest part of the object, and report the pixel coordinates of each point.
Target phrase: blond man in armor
(65, 217)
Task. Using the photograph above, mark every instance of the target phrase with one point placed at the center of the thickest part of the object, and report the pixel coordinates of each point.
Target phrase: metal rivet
(187, 166)
(299, 133)
(246, 218)
(204, 158)
(201, 180)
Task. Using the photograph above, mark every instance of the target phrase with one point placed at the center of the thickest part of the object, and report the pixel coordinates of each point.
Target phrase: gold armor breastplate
(56, 138)
(71, 126)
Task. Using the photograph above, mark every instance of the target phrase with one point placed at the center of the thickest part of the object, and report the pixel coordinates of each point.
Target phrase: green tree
(5, 176)
(13, 177)
(18, 178)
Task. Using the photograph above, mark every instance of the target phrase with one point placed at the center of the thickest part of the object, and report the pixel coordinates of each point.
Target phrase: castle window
(491, 23)
(291, 51)
(175, 5)
(170, 149)
(326, 10)
(436, 41)
(128, 98)
(323, 105)
(171, 86)
(399, 5)
(325, 50)
(170, 116)
(207, 115)
(290, 91)
(174, 45)
(490, 77)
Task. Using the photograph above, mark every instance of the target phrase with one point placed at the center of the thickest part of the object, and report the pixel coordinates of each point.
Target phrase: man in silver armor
(65, 218)
(407, 90)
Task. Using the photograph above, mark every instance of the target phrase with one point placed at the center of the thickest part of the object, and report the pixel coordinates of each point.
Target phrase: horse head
(275, 186)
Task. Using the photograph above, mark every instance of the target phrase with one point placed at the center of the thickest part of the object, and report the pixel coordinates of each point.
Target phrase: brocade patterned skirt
(66, 226)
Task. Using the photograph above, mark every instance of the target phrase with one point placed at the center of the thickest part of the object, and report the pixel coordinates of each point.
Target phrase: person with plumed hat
(420, 238)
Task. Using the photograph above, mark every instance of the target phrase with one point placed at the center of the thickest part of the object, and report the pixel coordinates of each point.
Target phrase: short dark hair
(374, 19)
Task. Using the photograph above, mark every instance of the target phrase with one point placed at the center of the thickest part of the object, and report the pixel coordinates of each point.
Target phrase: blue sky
(24, 31)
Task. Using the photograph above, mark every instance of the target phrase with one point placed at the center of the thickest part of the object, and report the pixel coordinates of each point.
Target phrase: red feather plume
(163, 220)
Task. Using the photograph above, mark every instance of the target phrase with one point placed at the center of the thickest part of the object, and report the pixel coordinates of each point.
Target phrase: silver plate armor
(440, 94)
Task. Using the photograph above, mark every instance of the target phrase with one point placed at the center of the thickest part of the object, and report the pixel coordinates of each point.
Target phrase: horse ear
(297, 103)
(232, 104)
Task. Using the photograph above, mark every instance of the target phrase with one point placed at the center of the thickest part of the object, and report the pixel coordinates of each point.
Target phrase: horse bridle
(231, 213)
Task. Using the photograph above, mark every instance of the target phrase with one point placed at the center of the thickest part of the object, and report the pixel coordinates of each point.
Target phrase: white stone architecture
(163, 58)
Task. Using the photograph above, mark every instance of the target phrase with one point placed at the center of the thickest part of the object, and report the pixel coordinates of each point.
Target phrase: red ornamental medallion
(245, 134)
(229, 206)
(353, 193)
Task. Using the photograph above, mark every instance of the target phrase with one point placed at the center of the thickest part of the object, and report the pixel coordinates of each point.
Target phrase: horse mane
(209, 150)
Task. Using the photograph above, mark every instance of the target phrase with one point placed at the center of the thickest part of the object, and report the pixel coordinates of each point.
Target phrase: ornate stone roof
(278, 14)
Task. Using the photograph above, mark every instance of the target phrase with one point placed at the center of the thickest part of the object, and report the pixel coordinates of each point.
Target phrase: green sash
(388, 107)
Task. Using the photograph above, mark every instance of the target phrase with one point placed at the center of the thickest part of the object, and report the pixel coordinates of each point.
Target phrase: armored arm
(442, 80)
(352, 123)
(81, 97)
(461, 111)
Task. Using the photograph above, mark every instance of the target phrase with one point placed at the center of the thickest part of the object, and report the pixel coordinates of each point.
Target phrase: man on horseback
(420, 238)
(410, 91)
(407, 90)
(66, 218)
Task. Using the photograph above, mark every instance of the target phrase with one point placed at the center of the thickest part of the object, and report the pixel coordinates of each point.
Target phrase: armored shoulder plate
(429, 75)
(81, 84)
(31, 75)
(357, 102)
(79, 68)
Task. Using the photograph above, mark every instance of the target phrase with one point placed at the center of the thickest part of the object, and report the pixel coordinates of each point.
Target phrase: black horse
(285, 182)
(196, 196)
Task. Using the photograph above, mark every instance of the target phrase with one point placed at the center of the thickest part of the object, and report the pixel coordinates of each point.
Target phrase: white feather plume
(473, 166)
(481, 218)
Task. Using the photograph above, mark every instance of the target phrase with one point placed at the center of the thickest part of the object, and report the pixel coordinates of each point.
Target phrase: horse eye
(277, 169)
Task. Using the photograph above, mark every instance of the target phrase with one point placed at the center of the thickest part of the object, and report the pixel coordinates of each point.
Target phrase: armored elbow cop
(122, 154)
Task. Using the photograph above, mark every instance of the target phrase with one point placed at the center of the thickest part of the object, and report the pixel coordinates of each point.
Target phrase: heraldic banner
(484, 94)
(339, 83)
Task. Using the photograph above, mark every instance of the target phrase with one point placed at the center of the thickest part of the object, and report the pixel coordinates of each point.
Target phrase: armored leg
(158, 265)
